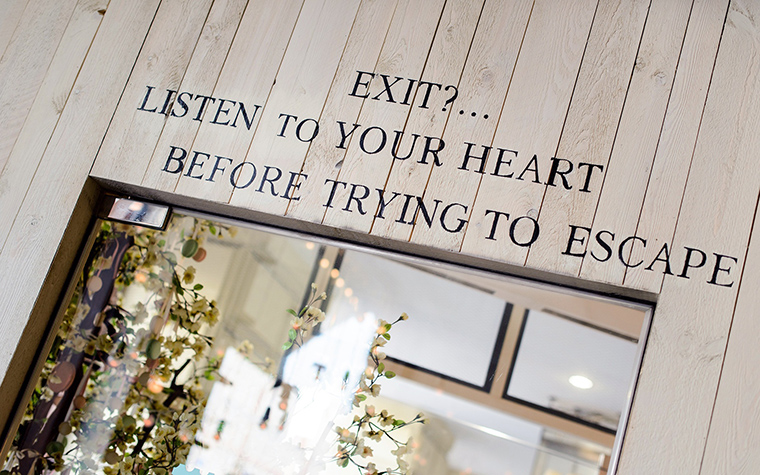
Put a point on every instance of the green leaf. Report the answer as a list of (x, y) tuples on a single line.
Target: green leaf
[(292, 334), (387, 336), (361, 397), (287, 345), (381, 368), (390, 374), (171, 257), (387, 327), (398, 422), (197, 287), (162, 243), (345, 463), (212, 228), (292, 312)]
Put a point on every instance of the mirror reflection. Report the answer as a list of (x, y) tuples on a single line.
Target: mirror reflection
[(208, 348)]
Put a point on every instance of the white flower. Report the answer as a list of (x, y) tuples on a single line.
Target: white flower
[(362, 450), (189, 275), (315, 314), (401, 450)]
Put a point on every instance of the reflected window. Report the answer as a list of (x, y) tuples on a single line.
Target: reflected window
[(573, 368)]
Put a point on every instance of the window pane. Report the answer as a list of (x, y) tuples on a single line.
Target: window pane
[(573, 368)]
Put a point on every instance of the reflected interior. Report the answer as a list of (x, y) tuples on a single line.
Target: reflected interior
[(479, 357)]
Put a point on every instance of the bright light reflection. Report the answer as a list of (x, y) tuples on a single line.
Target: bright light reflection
[(581, 382)]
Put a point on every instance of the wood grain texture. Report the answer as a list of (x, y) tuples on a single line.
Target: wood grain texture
[(627, 173), (590, 128), (679, 379), (444, 65), (302, 85), (58, 183), (200, 78), (12, 11), (483, 88), (46, 109), (672, 161), (162, 63), (28, 56), (531, 125), (324, 159), (734, 433), (404, 54), (248, 76)]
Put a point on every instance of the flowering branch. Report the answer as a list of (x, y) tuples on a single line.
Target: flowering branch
[(374, 425), (305, 320)]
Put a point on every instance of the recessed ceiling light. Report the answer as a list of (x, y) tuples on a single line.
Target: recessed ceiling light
[(581, 382)]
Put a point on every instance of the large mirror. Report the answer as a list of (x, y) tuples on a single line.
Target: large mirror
[(218, 347)]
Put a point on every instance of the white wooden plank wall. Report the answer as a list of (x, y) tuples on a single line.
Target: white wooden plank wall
[(201, 77), (448, 54), (12, 11), (163, 60), (662, 202), (28, 56), (484, 85), (627, 172), (324, 160), (46, 109), (531, 124), (304, 80), (735, 425), (684, 355), (404, 54), (590, 128), (58, 182), (664, 95), (248, 76)]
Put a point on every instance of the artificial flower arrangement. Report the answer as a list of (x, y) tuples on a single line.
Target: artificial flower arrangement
[(373, 425), (122, 389)]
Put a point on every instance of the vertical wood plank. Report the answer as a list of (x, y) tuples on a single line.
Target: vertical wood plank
[(324, 159), (200, 78), (444, 65), (303, 83), (667, 180), (482, 88), (679, 379), (46, 109), (57, 185), (404, 53), (28, 56), (162, 63), (531, 125), (627, 172), (12, 11), (590, 128), (247, 77), (734, 433)]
